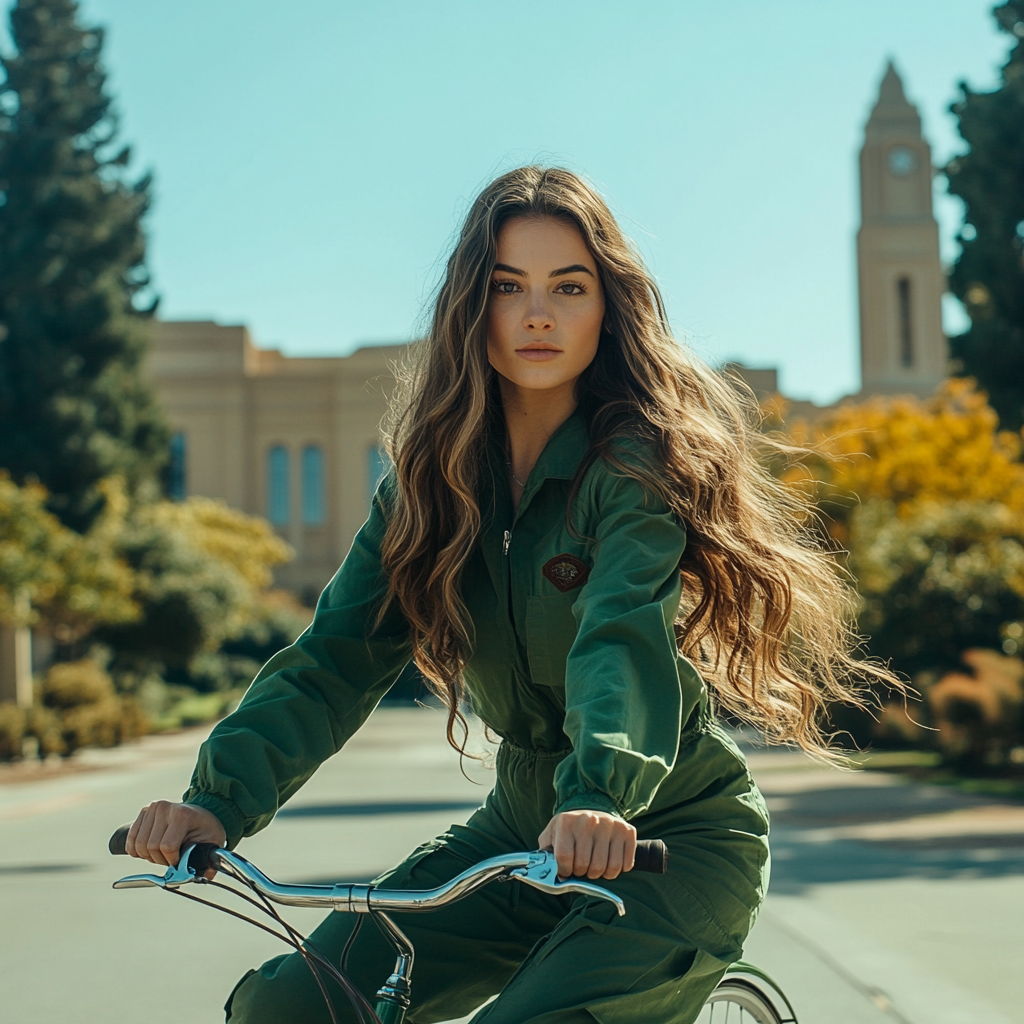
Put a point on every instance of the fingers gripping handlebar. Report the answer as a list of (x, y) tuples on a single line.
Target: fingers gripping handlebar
[(199, 855), (651, 854)]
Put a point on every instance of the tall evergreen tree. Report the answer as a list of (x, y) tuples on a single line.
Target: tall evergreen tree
[(989, 274), (74, 405)]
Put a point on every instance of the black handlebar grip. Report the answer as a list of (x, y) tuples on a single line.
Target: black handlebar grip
[(117, 841), (199, 859), (651, 855)]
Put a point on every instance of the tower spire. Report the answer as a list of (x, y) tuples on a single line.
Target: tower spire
[(892, 111), (899, 274)]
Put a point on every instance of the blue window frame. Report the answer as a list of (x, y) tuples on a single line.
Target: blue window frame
[(177, 489), (313, 485), (278, 485)]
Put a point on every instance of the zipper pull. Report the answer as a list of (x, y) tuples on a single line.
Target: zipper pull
[(508, 540)]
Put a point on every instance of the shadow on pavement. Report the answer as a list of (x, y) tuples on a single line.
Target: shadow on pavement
[(854, 805), (39, 869), (905, 830)]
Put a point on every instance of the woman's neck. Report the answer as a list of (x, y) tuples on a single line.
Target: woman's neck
[(531, 417)]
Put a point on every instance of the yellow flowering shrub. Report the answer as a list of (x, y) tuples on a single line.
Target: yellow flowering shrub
[(246, 543), (73, 580), (910, 451)]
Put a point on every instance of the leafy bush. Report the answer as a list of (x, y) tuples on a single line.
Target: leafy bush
[(979, 714), (276, 620), (198, 571), (45, 725), (937, 581), (12, 730), (79, 707), (74, 684)]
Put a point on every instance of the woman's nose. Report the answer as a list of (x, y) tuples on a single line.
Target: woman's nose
[(538, 317)]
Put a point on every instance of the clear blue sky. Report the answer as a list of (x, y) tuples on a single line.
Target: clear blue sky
[(313, 158)]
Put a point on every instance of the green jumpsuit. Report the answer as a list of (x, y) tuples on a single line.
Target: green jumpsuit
[(575, 667)]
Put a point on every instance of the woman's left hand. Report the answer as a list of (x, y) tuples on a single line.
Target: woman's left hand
[(591, 843)]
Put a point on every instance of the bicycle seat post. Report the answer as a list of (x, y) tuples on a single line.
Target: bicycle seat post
[(394, 995)]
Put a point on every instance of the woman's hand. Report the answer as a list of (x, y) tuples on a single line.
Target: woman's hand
[(591, 843), (163, 828)]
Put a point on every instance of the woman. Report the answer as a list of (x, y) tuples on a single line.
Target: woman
[(564, 474)]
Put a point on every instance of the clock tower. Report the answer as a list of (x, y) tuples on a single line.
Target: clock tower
[(900, 278)]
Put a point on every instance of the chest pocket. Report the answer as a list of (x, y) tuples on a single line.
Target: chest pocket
[(550, 632)]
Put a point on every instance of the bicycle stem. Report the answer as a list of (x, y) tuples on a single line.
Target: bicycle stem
[(394, 995)]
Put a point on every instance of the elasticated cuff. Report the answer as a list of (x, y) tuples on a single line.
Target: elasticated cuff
[(590, 801), (230, 816)]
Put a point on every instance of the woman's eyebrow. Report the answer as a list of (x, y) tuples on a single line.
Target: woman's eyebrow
[(576, 268)]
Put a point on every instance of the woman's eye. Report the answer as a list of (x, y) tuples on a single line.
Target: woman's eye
[(570, 288), (504, 287)]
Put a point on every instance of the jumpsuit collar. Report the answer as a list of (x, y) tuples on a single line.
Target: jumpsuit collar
[(559, 460)]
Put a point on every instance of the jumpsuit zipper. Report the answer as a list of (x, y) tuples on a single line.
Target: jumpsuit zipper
[(506, 541)]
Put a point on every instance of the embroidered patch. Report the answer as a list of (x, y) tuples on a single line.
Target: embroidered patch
[(566, 572)]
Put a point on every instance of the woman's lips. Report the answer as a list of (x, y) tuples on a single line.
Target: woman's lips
[(538, 355)]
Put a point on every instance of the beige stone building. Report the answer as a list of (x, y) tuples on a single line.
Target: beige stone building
[(293, 439)]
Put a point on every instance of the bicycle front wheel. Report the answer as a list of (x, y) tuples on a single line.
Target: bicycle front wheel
[(738, 1002)]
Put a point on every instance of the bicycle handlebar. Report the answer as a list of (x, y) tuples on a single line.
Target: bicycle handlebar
[(537, 868)]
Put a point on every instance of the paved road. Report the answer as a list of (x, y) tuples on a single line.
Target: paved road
[(890, 902)]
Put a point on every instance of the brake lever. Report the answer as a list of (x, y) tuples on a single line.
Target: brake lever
[(172, 878), (542, 873)]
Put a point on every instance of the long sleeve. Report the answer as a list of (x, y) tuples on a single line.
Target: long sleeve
[(309, 698), (627, 691)]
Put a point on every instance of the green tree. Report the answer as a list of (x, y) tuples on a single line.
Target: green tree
[(74, 406), (989, 274)]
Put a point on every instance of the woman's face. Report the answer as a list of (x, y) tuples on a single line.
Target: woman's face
[(546, 305)]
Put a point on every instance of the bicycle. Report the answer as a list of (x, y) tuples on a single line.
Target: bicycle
[(745, 995)]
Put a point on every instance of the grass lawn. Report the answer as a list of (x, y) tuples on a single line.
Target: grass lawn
[(927, 766)]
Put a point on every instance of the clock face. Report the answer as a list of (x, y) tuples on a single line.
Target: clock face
[(902, 161)]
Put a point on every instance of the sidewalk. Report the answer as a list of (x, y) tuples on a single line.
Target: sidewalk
[(908, 897)]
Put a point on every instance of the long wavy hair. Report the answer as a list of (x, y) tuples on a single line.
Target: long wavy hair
[(767, 615)]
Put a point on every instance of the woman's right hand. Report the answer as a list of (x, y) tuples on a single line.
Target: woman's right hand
[(163, 828)]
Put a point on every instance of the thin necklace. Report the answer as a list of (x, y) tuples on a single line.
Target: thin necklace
[(512, 472), (508, 462)]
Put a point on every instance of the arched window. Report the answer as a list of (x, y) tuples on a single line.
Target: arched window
[(906, 323), (177, 467), (312, 485), (278, 489), (377, 464)]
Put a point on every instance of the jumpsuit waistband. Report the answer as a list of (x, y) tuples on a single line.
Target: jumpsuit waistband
[(513, 755)]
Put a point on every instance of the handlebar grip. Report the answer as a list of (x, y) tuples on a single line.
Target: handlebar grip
[(651, 855), (116, 845), (199, 859)]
